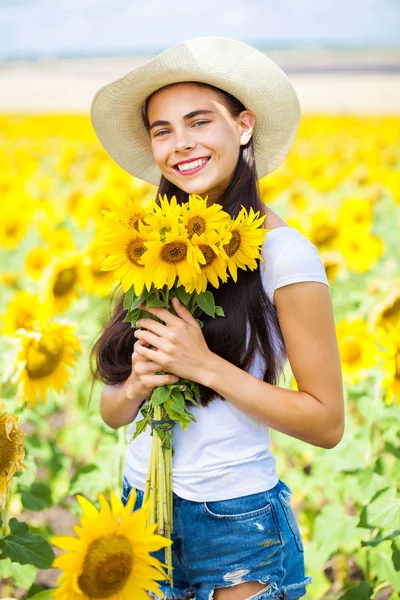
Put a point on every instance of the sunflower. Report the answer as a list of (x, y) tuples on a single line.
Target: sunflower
[(36, 261), (130, 212), (95, 280), (244, 246), (215, 265), (60, 240), (386, 312), (357, 347), (43, 358), (333, 263), (356, 211), (14, 225), (61, 281), (110, 558), (390, 355), (124, 248), (11, 451), (22, 311), (324, 229), (200, 219), (164, 216), (170, 256), (360, 250)]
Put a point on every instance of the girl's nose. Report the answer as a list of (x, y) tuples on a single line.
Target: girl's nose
[(184, 142)]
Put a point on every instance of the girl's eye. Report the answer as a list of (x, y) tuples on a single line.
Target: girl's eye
[(158, 132), (166, 131)]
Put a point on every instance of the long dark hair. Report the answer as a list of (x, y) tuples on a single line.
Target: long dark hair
[(243, 302)]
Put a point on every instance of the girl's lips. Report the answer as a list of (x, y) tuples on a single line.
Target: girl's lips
[(191, 171)]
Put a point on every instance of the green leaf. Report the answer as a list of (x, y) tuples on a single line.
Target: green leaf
[(22, 575), (381, 538), (140, 427), (26, 548), (381, 564), (395, 450), (154, 301), (139, 299), (129, 297), (160, 395), (181, 419), (396, 556), (206, 302), (360, 592), (37, 497), (183, 295), (219, 311), (81, 473), (383, 511), (178, 402), (345, 536), (45, 595), (131, 316)]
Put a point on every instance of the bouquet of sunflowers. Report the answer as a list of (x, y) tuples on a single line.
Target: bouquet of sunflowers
[(163, 251)]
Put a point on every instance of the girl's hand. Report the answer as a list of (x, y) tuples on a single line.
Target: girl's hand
[(143, 378), (180, 347)]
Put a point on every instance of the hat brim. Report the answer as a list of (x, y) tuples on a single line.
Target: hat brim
[(243, 71)]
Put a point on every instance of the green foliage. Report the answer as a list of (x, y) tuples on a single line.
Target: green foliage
[(26, 548)]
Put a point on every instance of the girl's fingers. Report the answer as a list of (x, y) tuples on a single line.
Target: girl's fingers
[(155, 380), (147, 366)]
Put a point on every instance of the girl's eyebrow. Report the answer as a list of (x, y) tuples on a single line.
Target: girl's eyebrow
[(193, 113)]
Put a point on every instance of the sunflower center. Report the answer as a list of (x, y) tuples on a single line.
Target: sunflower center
[(397, 363), (43, 356), (174, 252), (24, 319), (135, 250), (7, 446), (208, 254), (234, 244), (351, 351), (324, 234), (107, 566), (196, 224), (134, 220), (392, 313), (64, 281), (11, 230)]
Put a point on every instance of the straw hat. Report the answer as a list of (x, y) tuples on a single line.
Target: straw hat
[(240, 69)]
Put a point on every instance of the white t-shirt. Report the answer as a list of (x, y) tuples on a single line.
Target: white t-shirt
[(225, 453)]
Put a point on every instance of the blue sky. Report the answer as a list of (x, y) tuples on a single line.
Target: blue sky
[(46, 28)]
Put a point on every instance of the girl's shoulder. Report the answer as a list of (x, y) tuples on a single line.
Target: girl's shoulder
[(289, 257)]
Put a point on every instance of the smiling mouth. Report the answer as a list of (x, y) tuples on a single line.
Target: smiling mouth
[(190, 168)]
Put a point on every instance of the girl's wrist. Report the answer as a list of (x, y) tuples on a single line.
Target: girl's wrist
[(210, 371)]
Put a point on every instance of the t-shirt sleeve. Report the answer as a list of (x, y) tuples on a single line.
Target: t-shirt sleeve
[(300, 262)]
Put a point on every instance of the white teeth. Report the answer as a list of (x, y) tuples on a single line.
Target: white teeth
[(192, 165)]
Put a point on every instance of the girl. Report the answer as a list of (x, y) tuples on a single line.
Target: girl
[(211, 116)]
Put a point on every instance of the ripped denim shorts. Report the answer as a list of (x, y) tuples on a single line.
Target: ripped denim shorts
[(226, 542)]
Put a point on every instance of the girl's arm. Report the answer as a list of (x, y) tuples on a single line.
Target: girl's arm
[(314, 413), (118, 407)]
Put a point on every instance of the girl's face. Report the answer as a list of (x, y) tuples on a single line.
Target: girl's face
[(189, 124)]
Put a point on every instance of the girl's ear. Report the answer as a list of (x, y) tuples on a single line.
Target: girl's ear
[(247, 123)]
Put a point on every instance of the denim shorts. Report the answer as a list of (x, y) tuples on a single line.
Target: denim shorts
[(226, 542)]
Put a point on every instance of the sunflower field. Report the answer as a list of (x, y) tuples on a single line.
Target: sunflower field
[(61, 466)]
